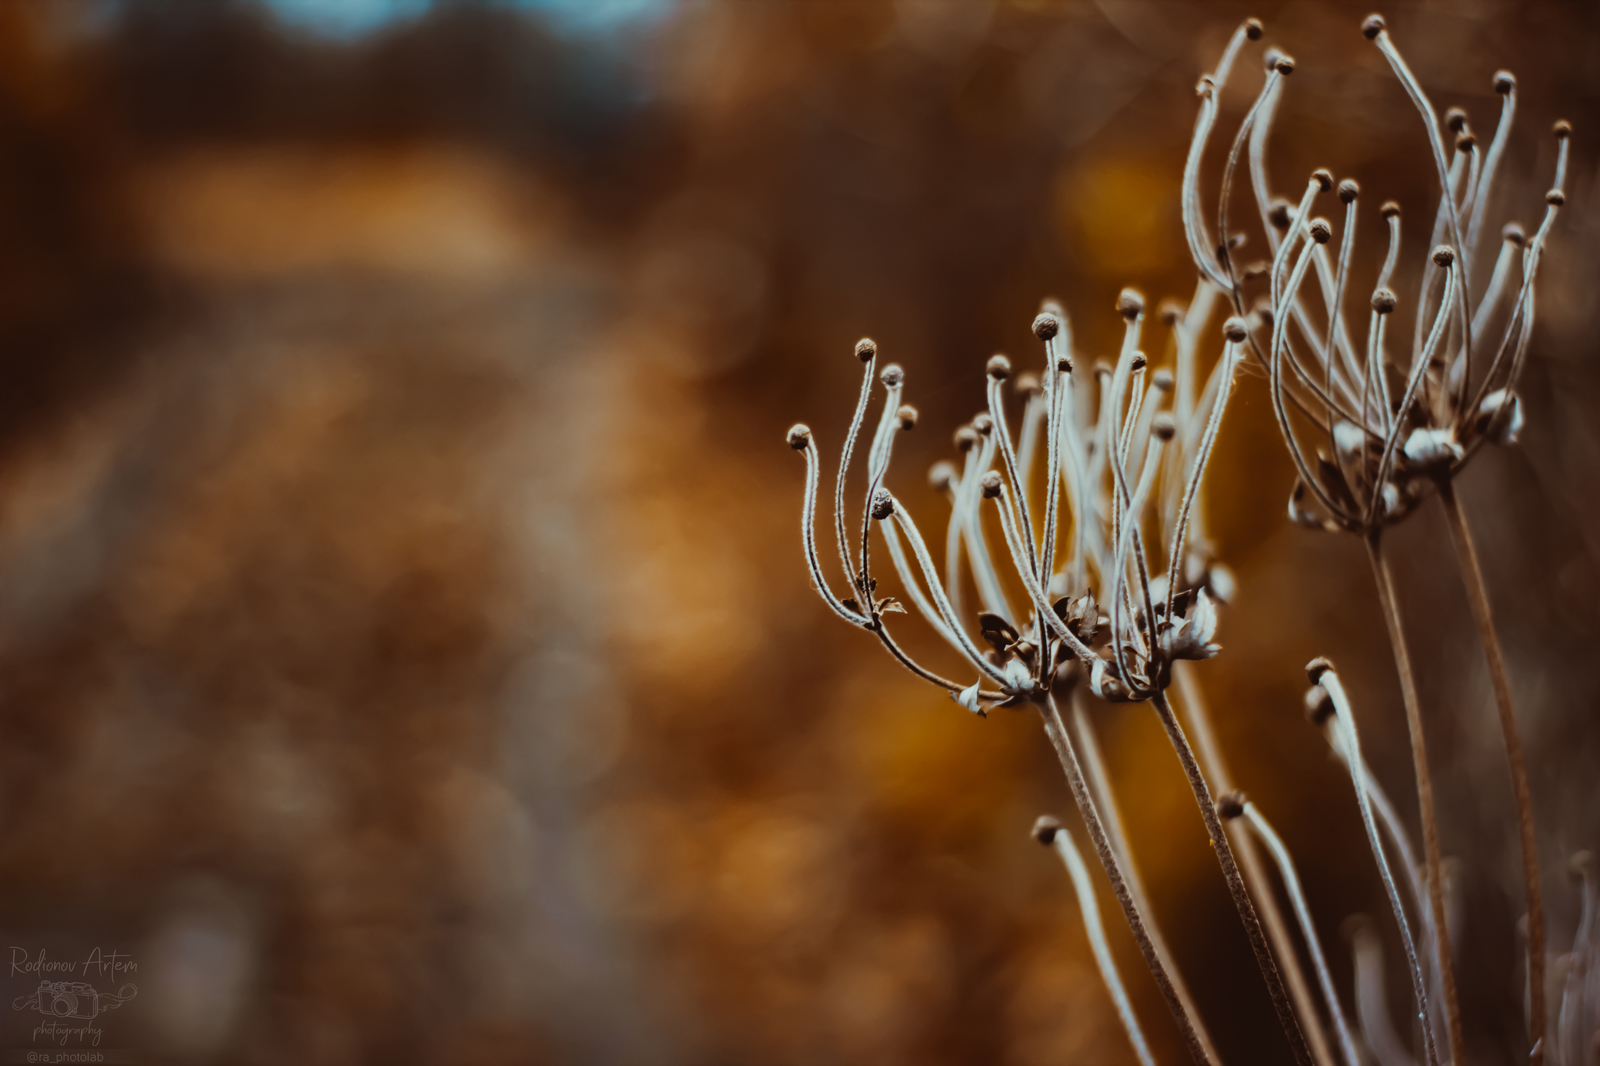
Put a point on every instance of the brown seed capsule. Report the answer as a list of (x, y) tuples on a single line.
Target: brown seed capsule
[(1443, 255), (1045, 326), (1235, 330), (1383, 301), (1284, 65), (866, 349), (1064, 365), (1102, 369), (1137, 362), (941, 476), (882, 504), (966, 439), (1130, 304), (1455, 119), (1027, 383), (1271, 56), (1230, 805), (1466, 142), (1389, 210), (1319, 705), (907, 416), (1317, 667), (1324, 178), (990, 484), (1170, 312), (1046, 828), (1163, 380), (1555, 197), (892, 375), (1504, 81), (1164, 426), (1562, 129), (799, 436), (1348, 191), (1252, 29), (983, 423), (1372, 26), (1280, 213), (1513, 233), (1321, 230), (999, 367)]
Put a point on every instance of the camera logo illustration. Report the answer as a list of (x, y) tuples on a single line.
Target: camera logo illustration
[(77, 1000)]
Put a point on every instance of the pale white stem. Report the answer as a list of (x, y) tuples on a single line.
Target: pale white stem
[(1092, 925), (851, 574), (1491, 166), (1232, 353), (1372, 1002), (931, 575), (1419, 370), (808, 512), (1308, 929)]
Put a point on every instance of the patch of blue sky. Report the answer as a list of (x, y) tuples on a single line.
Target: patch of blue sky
[(349, 19)]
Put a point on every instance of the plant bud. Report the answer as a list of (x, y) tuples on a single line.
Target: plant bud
[(1235, 330), (983, 423), (882, 504), (1504, 81), (1045, 326), (866, 349), (1389, 210), (999, 367), (907, 416), (1324, 178), (1317, 667), (1383, 301), (799, 436), (1455, 119), (1230, 805), (1555, 198), (892, 375), (1164, 426), (941, 476), (1348, 191), (1046, 828), (1444, 255), (1562, 129), (990, 484), (1513, 233), (1137, 362), (1372, 26), (1130, 304), (966, 439), (1252, 29), (1162, 379), (1321, 230), (1280, 213)]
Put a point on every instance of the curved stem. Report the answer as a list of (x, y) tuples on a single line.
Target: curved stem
[(1419, 761), (1100, 784), (1245, 848), (1478, 597), (1056, 730), (1230, 871)]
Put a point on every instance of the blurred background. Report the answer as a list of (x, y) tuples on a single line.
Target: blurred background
[(406, 653)]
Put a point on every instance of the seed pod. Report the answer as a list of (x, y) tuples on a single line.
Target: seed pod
[(1455, 119), (1321, 230), (1235, 330), (866, 349), (966, 438), (941, 476), (882, 504), (1383, 301), (1137, 362), (983, 423), (1513, 233), (1046, 828), (990, 484), (1230, 805), (1389, 210), (1562, 129), (1280, 213), (892, 375), (1444, 255), (1027, 383), (999, 367), (1252, 29), (799, 436), (1372, 26), (907, 416), (1324, 178), (1317, 667), (1555, 198), (1164, 426), (1130, 304), (1504, 81), (1045, 326), (1163, 380), (1348, 191)]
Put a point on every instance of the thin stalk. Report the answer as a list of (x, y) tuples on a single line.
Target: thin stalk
[(1056, 730), (1090, 908), (1419, 761), (1478, 597), (1230, 872), (1255, 875), (1100, 784)]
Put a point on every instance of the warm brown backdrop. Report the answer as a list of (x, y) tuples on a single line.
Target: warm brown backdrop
[(405, 649)]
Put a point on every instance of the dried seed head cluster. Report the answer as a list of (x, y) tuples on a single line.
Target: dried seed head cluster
[(1115, 587), (1370, 430)]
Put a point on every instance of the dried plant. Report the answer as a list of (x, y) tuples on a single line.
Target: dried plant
[(1119, 588), (1368, 449)]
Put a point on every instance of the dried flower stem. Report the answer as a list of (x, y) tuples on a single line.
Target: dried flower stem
[(1100, 784), (1057, 732), (1478, 597), (1230, 872), (1215, 766), (1419, 760)]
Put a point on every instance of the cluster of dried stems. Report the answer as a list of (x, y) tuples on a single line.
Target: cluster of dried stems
[(1120, 589)]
